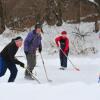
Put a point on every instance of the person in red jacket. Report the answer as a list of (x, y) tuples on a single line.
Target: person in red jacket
[(62, 42)]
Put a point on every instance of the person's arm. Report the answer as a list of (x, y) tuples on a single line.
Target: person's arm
[(27, 42), (67, 45), (57, 41), (40, 48), (15, 61)]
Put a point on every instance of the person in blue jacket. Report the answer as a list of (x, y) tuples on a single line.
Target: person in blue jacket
[(32, 43)]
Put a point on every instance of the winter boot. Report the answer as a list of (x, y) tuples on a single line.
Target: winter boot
[(62, 68), (28, 75)]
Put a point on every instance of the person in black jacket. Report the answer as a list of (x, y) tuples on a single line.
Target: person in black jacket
[(7, 54)]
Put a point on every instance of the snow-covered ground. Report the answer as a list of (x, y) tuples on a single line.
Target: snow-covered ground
[(68, 84)]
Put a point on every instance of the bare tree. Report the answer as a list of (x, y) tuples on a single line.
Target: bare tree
[(52, 11), (97, 2), (80, 40)]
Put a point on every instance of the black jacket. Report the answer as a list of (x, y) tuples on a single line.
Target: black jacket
[(9, 52)]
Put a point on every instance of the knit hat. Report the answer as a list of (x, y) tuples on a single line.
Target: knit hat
[(63, 32), (18, 38)]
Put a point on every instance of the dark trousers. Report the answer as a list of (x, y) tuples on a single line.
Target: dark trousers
[(13, 71), (63, 59)]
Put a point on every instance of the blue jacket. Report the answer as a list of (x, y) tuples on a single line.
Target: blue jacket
[(32, 42)]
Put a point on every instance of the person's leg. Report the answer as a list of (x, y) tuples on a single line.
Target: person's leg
[(31, 63), (3, 67), (65, 59), (61, 58), (13, 72), (2, 73)]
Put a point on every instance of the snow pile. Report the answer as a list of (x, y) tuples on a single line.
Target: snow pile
[(91, 0)]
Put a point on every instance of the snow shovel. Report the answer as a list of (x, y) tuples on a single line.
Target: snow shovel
[(70, 60)]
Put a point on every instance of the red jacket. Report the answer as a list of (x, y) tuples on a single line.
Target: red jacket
[(63, 42)]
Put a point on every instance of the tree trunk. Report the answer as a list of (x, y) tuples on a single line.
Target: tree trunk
[(2, 24), (96, 26)]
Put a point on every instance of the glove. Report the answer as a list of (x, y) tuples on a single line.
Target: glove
[(40, 49), (22, 64), (26, 52)]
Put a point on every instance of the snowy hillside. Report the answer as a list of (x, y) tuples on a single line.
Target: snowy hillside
[(68, 84)]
